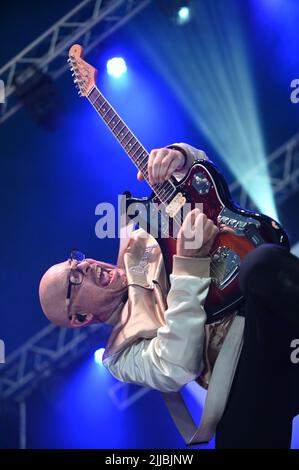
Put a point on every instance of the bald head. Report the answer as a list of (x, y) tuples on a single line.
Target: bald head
[(52, 294), (95, 299)]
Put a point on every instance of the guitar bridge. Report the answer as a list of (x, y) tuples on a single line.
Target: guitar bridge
[(175, 205)]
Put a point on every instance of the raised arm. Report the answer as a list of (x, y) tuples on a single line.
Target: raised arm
[(175, 159), (174, 357)]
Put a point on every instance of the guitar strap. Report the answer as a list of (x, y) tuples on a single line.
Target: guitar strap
[(218, 391)]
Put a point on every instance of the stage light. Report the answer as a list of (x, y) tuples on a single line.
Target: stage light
[(183, 15), (98, 356), (177, 11), (116, 67)]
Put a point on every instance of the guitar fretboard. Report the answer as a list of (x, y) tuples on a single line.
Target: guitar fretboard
[(128, 141)]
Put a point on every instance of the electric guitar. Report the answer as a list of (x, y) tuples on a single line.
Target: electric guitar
[(203, 184)]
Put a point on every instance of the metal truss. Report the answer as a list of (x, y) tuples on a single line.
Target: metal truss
[(283, 168), (44, 355), (50, 350), (90, 22), (124, 395)]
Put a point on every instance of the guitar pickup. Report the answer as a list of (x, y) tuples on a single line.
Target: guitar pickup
[(175, 205)]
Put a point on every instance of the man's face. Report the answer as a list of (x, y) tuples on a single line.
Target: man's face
[(101, 289)]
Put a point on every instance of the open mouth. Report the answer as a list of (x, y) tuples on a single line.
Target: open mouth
[(104, 277)]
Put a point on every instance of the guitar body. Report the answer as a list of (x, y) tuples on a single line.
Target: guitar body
[(205, 184)]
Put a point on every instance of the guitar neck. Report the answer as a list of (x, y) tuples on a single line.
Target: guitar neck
[(128, 141), (120, 130)]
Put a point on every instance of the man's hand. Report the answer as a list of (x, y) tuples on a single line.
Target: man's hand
[(162, 163), (195, 221)]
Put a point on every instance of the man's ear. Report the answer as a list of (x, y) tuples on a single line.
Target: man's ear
[(81, 319)]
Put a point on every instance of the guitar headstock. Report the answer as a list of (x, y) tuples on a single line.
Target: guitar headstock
[(84, 74)]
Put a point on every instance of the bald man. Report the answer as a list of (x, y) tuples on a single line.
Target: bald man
[(160, 338), (99, 304)]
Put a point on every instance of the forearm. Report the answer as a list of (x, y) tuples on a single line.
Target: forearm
[(174, 357)]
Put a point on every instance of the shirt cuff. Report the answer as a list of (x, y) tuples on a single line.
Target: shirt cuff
[(183, 152), (187, 266)]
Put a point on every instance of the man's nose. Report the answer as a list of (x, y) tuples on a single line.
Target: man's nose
[(84, 266)]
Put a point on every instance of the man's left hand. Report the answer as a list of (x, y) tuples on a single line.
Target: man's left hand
[(162, 163)]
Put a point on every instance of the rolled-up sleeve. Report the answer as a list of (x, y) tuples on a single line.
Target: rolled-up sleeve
[(174, 357), (192, 155)]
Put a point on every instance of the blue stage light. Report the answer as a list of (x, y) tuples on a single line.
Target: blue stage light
[(98, 356), (116, 67), (183, 15)]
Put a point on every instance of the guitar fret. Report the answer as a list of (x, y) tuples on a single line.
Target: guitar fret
[(120, 132), (106, 113), (141, 148), (143, 168), (128, 136), (101, 104), (136, 149), (93, 91), (142, 159), (96, 99), (121, 128), (104, 109), (124, 136), (128, 141), (113, 116), (112, 128), (136, 142)]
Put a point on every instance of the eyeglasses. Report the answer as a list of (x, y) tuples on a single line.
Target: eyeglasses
[(76, 276)]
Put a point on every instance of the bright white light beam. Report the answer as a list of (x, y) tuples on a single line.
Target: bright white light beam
[(207, 67)]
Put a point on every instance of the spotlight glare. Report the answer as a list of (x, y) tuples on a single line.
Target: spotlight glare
[(116, 67), (98, 356), (183, 15)]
